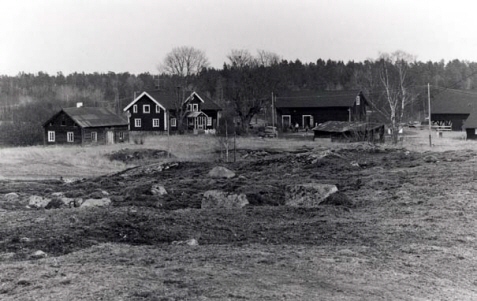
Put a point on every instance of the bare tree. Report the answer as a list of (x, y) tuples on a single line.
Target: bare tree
[(182, 64), (241, 58), (267, 58), (184, 61), (390, 87)]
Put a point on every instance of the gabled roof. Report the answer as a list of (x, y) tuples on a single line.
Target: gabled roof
[(450, 101), (318, 99), (92, 117), (168, 100)]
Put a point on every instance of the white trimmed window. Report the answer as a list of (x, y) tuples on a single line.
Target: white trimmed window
[(146, 109), (155, 123), (209, 121), (173, 122), (189, 107), (70, 137), (134, 108), (94, 136), (158, 109), (195, 107), (51, 136), (137, 122), (121, 135)]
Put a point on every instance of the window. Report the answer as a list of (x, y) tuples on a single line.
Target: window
[(189, 107), (195, 107), (358, 100), (158, 109), (94, 136), (70, 137), (209, 121), (137, 122), (51, 136), (155, 123), (173, 122), (63, 122), (121, 135), (134, 108), (146, 109)]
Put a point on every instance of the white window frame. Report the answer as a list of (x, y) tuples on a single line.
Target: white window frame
[(155, 122), (209, 121), (303, 120), (134, 108), (70, 137), (173, 122), (144, 109), (158, 109), (121, 135), (51, 136), (195, 107), (137, 122), (94, 136)]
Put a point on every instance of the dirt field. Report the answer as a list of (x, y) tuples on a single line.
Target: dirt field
[(406, 234)]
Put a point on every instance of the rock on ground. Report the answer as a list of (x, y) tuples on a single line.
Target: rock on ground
[(308, 195), (37, 201), (221, 172), (222, 199), (157, 189), (89, 203), (39, 254), (11, 197)]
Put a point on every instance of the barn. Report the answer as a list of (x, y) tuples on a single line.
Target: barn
[(310, 108), (451, 107), (85, 125)]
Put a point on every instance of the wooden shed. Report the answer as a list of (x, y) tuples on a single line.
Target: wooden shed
[(350, 131), (451, 107), (85, 125)]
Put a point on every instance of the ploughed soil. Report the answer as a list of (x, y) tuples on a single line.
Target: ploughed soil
[(407, 233)]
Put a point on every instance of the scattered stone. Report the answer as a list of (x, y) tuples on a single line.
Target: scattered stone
[(192, 242), (308, 195), (25, 239), (78, 202), (11, 197), (430, 159), (105, 193), (220, 172), (37, 201), (39, 254), (221, 199), (157, 189), (57, 194), (89, 203)]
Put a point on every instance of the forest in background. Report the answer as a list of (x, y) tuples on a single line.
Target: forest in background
[(28, 100)]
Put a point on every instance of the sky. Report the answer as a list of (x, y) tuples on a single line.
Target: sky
[(135, 35)]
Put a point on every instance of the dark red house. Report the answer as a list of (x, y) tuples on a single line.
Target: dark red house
[(84, 125), (159, 110), (310, 108)]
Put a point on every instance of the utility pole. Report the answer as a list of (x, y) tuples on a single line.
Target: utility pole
[(429, 104), (273, 114)]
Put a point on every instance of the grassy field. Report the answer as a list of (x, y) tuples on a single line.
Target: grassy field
[(408, 236)]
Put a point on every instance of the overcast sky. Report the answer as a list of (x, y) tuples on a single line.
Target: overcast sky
[(135, 35)]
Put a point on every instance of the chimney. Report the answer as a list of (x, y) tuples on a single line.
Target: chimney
[(79, 104)]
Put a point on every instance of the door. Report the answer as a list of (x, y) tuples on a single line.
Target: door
[(201, 120), (286, 122), (307, 121), (109, 137)]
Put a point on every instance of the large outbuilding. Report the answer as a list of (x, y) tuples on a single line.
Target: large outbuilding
[(451, 107), (85, 125), (310, 108)]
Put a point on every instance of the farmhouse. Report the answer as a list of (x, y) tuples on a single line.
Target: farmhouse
[(452, 107), (84, 125), (309, 108), (158, 110)]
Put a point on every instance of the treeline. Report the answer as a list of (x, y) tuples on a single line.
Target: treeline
[(28, 100)]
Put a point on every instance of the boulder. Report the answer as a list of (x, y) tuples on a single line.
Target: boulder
[(430, 159), (220, 172), (157, 189), (222, 199), (37, 201), (89, 203), (308, 195), (57, 194), (11, 197), (39, 254)]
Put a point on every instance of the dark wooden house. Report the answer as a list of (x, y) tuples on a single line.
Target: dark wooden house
[(470, 125), (160, 110), (452, 107), (85, 125), (310, 108)]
